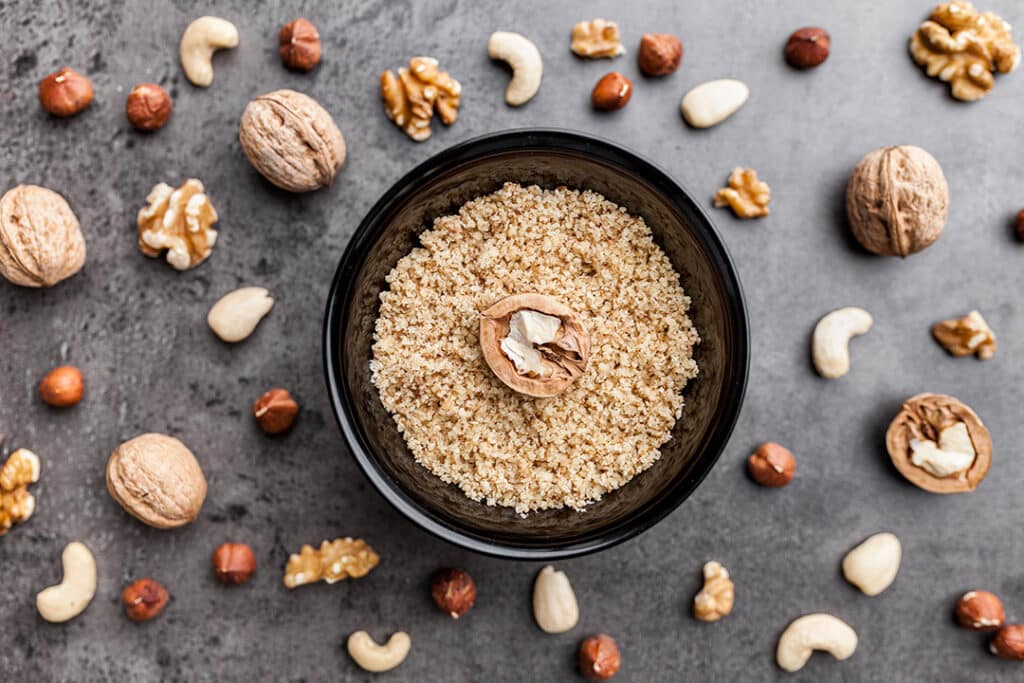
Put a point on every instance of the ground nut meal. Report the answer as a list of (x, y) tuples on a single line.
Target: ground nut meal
[(466, 426)]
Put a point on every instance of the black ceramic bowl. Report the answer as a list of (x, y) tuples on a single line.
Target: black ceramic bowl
[(549, 159)]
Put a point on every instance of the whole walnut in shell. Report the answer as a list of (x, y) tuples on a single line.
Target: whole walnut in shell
[(291, 140), (40, 240), (157, 480), (897, 200)]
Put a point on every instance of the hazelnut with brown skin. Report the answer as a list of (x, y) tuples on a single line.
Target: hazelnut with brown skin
[(148, 107), (771, 465), (65, 93), (62, 387), (1019, 225), (980, 611), (144, 599), (233, 563), (1008, 642), (612, 92), (299, 45), (275, 411), (454, 591), (659, 54), (599, 657), (808, 47)]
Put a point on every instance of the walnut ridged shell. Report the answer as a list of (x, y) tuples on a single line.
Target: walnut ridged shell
[(897, 200), (41, 242), (157, 480), (292, 141)]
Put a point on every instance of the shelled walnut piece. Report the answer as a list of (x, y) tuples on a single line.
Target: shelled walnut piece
[(16, 503), (747, 196), (178, 220), (965, 336), (715, 599), (411, 97), (939, 444), (335, 560), (964, 47), (596, 38)]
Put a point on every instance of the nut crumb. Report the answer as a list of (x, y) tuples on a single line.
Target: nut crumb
[(965, 336), (715, 599), (597, 38), (747, 196), (16, 503)]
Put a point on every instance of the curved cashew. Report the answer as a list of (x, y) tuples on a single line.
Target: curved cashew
[(830, 344), (524, 58), (376, 658), (198, 43), (814, 632), (70, 597)]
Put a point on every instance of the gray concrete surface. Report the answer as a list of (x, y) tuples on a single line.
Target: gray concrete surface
[(137, 329)]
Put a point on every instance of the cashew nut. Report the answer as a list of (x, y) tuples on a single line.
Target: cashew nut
[(377, 658), (872, 566), (198, 43), (814, 632), (524, 58), (830, 346), (70, 597)]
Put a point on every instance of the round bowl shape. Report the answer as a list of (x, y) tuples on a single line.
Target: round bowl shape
[(548, 159)]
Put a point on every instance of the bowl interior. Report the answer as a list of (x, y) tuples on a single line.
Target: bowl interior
[(548, 159)]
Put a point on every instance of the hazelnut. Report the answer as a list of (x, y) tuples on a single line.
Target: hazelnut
[(1019, 225), (62, 387), (233, 563), (612, 92), (599, 657), (144, 599), (771, 465), (1008, 642), (659, 54), (980, 611), (453, 591), (148, 106), (275, 411), (807, 47), (65, 92), (299, 45)]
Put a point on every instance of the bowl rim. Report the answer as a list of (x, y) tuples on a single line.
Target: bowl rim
[(336, 317)]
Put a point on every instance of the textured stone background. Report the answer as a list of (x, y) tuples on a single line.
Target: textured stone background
[(138, 331)]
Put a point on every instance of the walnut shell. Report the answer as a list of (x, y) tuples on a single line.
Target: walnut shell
[(40, 240), (897, 200), (291, 140), (922, 417), (157, 480)]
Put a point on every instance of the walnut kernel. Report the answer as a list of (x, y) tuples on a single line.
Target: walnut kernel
[(335, 560), (178, 220), (16, 503), (411, 97), (40, 240), (715, 599), (965, 336), (747, 196), (596, 38)]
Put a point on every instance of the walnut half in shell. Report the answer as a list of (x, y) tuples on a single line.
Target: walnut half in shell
[(924, 427), (534, 344)]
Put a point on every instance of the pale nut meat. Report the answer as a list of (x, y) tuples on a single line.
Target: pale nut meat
[(822, 632), (830, 343), (69, 598), (375, 658), (21, 469), (236, 314), (291, 140), (538, 366), (897, 200), (969, 335), (335, 560), (923, 420), (980, 611), (872, 566), (554, 603), (412, 97), (745, 194), (715, 599), (523, 57), (178, 221), (596, 38), (964, 47), (157, 480), (199, 41), (41, 242), (708, 104)]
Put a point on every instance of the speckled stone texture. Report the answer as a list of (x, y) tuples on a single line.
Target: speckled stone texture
[(137, 330)]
